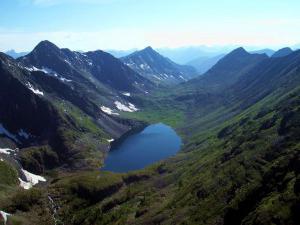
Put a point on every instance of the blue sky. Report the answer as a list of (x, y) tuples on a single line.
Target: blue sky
[(125, 24)]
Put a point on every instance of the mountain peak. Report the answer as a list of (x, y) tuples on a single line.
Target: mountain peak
[(11, 51), (149, 49), (239, 51), (14, 54), (282, 52), (46, 45)]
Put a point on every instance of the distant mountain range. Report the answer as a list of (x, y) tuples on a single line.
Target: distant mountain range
[(267, 51), (203, 64), (97, 65), (240, 124), (15, 54), (158, 68), (121, 53), (184, 55)]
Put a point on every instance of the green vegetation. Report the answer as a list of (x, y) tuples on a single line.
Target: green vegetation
[(239, 165), (8, 178), (170, 117), (28, 207), (240, 172)]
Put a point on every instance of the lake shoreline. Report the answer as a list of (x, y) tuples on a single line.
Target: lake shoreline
[(142, 147)]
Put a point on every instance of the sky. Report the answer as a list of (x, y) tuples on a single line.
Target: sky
[(126, 24)]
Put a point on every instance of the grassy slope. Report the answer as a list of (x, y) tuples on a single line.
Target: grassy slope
[(239, 169), (243, 171)]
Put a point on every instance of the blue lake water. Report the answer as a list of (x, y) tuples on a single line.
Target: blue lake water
[(154, 143)]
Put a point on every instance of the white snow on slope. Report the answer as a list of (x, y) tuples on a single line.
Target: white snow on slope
[(31, 178), (48, 71), (24, 184), (122, 107), (108, 110), (35, 91), (6, 151), (183, 78), (4, 215), (65, 79), (157, 77), (33, 68), (67, 62), (132, 107), (44, 70), (144, 66), (126, 94)]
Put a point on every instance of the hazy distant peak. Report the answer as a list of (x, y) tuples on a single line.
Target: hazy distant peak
[(14, 54), (282, 52), (239, 51)]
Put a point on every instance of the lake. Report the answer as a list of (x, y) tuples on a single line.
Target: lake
[(154, 143)]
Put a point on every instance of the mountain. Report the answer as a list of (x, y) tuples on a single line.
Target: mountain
[(282, 52), (239, 164), (15, 54), (157, 68), (203, 64), (241, 169), (86, 67), (183, 55), (43, 112), (228, 70), (267, 51), (120, 53)]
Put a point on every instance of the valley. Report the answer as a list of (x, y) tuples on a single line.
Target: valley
[(238, 162)]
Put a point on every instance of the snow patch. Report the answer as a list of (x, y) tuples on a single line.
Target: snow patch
[(108, 110), (65, 79), (4, 216), (126, 94), (157, 77), (33, 68), (48, 71), (6, 151), (144, 66), (67, 62), (183, 78), (35, 91), (31, 178), (122, 107), (132, 107), (24, 184)]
